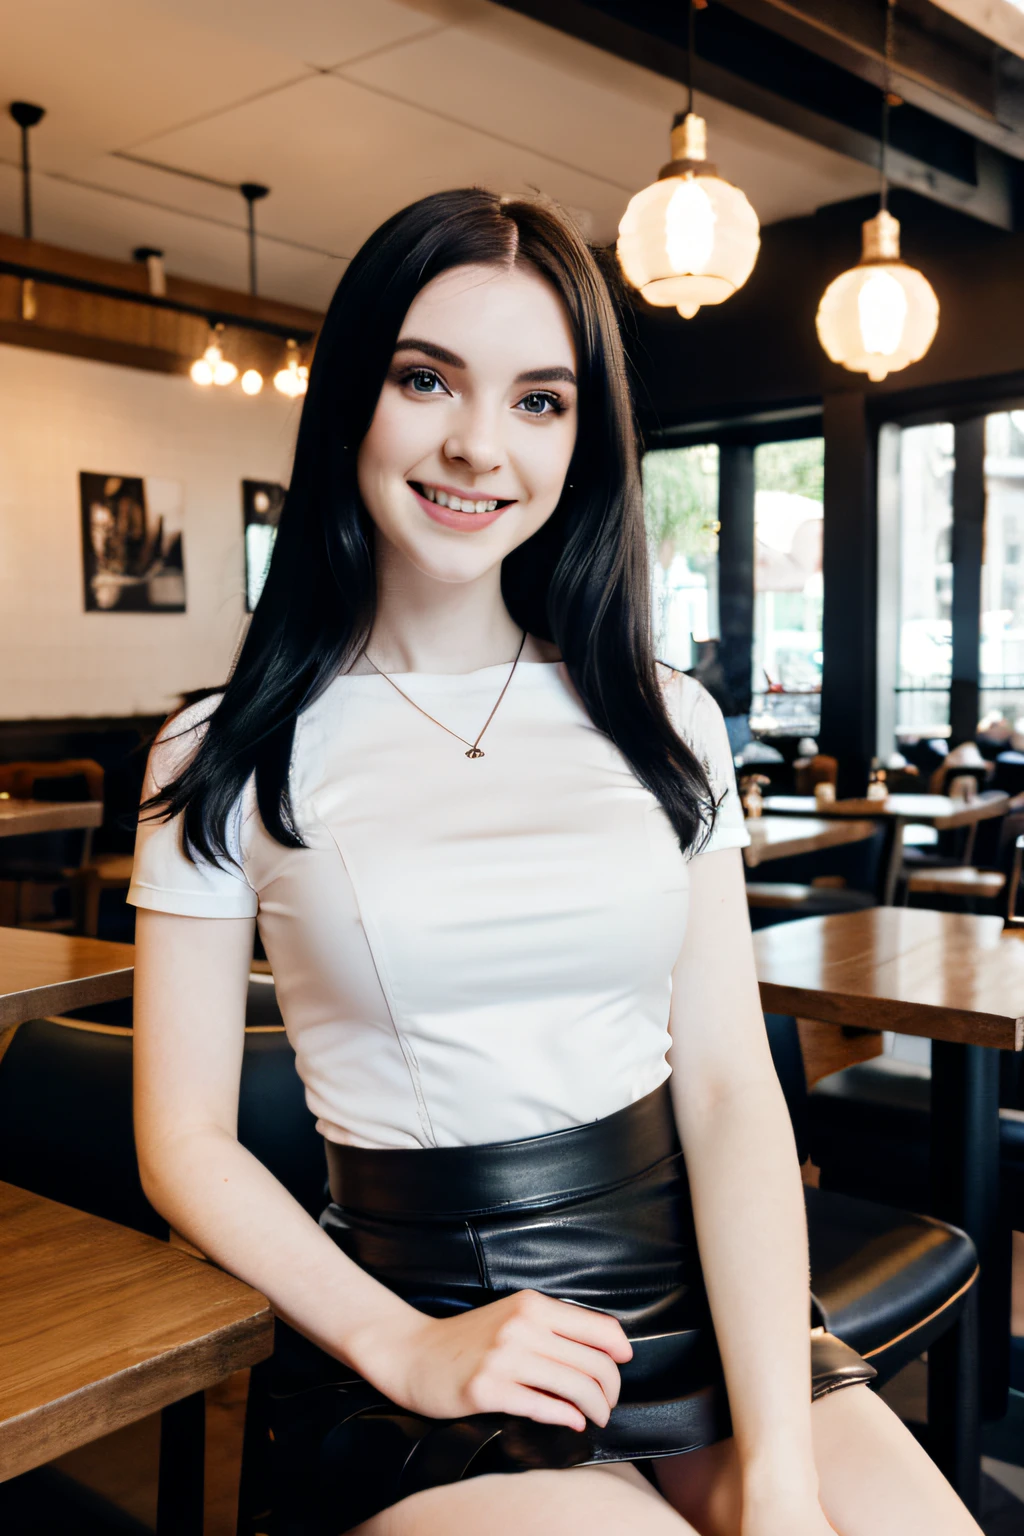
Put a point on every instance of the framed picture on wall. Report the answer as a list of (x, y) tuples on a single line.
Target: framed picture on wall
[(132, 555), (262, 501)]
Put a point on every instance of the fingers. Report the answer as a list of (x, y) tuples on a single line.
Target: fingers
[(562, 1381), (594, 1363), (528, 1404), (588, 1326)]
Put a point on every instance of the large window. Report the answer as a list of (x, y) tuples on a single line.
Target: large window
[(925, 644), (1002, 575), (681, 512), (788, 522)]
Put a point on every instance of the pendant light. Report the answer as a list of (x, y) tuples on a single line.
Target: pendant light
[(881, 314), (213, 367), (690, 238), (293, 378)]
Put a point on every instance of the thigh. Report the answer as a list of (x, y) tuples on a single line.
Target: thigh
[(584, 1501), (874, 1477)]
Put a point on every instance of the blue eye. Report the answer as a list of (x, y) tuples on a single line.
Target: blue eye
[(535, 402), (422, 381)]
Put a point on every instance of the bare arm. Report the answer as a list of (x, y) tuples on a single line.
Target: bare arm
[(747, 1199), (529, 1354)]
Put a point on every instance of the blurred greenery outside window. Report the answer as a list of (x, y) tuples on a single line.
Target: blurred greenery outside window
[(681, 513), (789, 480)]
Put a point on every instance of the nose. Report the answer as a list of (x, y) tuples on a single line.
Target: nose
[(475, 437)]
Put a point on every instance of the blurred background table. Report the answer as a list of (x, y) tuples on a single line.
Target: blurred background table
[(780, 837), (956, 979), (20, 818), (43, 973), (897, 812)]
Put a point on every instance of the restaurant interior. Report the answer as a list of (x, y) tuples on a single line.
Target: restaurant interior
[(813, 218)]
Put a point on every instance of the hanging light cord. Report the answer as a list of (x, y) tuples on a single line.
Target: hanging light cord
[(887, 102), (691, 12)]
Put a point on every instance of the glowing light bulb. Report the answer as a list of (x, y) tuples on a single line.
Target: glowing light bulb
[(882, 312), (252, 381), (689, 227), (201, 372), (293, 378), (223, 371)]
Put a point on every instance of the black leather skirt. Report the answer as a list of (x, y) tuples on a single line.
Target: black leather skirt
[(600, 1215)]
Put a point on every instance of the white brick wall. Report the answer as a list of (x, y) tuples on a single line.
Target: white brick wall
[(59, 415)]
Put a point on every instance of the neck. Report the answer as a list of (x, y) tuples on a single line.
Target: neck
[(426, 625)]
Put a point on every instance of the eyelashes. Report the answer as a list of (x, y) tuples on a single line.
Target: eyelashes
[(555, 403)]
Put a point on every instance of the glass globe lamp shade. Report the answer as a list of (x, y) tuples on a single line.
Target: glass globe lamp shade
[(690, 238), (881, 314), (252, 381)]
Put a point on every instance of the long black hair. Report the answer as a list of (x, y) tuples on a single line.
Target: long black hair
[(580, 581)]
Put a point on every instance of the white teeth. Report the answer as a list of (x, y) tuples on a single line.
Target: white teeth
[(456, 503)]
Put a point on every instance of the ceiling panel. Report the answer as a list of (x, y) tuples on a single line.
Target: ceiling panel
[(363, 155), (111, 72), (610, 122), (425, 94), (318, 32)]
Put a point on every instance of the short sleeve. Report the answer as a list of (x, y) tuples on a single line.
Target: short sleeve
[(701, 724), (164, 879)]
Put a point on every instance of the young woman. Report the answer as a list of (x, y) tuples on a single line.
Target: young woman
[(492, 848)]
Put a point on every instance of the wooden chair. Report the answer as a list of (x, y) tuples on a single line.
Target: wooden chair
[(54, 859), (971, 882)]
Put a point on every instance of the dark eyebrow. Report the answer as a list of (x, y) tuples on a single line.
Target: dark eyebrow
[(442, 355), (439, 354), (546, 376)]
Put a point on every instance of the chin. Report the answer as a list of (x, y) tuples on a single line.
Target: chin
[(453, 566)]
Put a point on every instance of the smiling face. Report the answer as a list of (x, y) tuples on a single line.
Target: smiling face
[(469, 445)]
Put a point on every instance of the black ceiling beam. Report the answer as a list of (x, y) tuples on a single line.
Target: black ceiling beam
[(942, 66), (759, 70)]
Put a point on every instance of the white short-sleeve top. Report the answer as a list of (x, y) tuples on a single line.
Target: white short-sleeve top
[(466, 950)]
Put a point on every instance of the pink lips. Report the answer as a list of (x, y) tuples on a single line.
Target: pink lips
[(450, 519)]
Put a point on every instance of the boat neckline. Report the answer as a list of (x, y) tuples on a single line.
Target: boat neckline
[(451, 677)]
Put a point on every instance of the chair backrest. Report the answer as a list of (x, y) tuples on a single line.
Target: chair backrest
[(784, 1042), (73, 778), (66, 1118)]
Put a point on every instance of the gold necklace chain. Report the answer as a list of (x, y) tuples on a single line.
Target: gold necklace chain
[(474, 746)]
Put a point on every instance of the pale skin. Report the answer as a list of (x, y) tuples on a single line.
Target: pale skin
[(469, 415)]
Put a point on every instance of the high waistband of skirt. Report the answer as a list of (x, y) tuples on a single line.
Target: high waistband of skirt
[(448, 1182)]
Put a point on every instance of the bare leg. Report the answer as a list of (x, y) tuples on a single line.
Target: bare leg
[(875, 1478), (584, 1501)]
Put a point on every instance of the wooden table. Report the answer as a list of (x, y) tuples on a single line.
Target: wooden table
[(958, 980), (43, 973), (20, 817), (101, 1326), (897, 811), (778, 837)]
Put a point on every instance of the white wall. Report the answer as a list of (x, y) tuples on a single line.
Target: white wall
[(59, 415)]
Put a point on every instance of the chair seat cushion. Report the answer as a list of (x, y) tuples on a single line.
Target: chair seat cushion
[(957, 880), (885, 1279)]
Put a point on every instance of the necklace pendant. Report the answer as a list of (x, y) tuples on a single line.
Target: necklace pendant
[(475, 752)]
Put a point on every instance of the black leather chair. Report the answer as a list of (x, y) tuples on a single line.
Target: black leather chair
[(892, 1284)]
